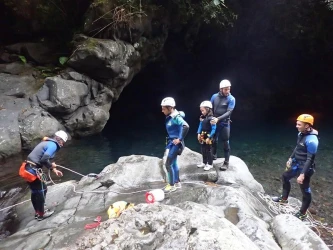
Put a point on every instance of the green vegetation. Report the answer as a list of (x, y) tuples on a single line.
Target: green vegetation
[(23, 59), (63, 60)]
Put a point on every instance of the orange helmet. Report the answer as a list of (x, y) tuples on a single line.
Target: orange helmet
[(306, 118)]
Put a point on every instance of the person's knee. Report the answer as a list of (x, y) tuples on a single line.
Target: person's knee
[(226, 146), (306, 191), (168, 164), (168, 167), (285, 178)]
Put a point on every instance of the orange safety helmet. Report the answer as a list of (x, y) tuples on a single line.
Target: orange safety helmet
[(306, 118)]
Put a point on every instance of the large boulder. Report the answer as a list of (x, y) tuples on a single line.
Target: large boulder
[(34, 124), (63, 96), (293, 234), (7, 214), (14, 92), (113, 63), (37, 52), (80, 103), (10, 141), (16, 68)]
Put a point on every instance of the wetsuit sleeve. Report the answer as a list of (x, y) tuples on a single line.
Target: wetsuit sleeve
[(51, 148), (232, 103), (184, 131), (231, 106), (212, 133), (184, 127), (225, 115), (199, 128), (312, 146)]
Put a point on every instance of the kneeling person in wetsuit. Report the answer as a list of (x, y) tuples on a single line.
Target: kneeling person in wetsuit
[(31, 170), (177, 129), (301, 164)]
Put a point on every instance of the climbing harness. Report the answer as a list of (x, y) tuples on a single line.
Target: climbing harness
[(203, 137), (41, 175)]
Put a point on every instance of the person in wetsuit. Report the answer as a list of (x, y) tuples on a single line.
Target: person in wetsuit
[(223, 105), (301, 164), (40, 157), (206, 132), (177, 129)]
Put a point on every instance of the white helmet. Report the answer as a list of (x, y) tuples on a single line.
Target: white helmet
[(62, 135), (206, 104), (224, 84), (168, 101)]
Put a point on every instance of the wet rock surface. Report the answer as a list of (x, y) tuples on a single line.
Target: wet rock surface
[(197, 216)]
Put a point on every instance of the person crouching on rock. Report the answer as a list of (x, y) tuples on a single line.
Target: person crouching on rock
[(301, 164), (206, 132), (177, 129), (31, 171)]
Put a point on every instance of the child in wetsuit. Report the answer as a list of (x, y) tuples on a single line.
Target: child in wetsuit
[(206, 133)]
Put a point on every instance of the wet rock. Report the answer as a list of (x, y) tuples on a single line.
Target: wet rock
[(63, 96), (190, 172), (292, 233), (131, 168), (16, 68), (34, 124), (13, 100), (81, 104), (7, 213), (10, 141), (196, 216), (238, 173), (37, 52)]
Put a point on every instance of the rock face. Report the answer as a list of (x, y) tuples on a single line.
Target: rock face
[(37, 52), (78, 100), (34, 124), (14, 92), (200, 215)]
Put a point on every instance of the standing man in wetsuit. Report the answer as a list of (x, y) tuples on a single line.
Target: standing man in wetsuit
[(301, 164), (40, 157), (223, 105)]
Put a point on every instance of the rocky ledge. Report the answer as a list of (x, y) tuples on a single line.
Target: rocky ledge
[(212, 210)]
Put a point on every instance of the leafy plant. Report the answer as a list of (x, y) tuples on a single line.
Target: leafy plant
[(63, 60), (23, 59)]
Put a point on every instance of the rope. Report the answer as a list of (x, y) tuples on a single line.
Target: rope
[(279, 208), (70, 171)]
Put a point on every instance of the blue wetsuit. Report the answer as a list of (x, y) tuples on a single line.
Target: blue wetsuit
[(39, 157), (302, 163), (176, 128), (222, 109)]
